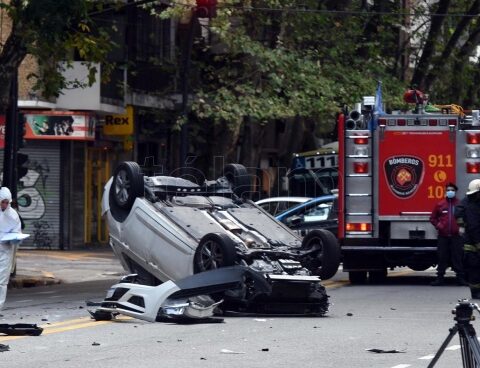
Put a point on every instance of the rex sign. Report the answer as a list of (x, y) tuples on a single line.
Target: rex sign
[(414, 168), (119, 124)]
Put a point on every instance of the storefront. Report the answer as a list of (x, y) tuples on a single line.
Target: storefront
[(56, 143)]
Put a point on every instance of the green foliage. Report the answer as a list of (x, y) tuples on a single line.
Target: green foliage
[(55, 31), (281, 64)]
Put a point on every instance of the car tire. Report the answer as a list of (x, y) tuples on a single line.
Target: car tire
[(126, 186), (357, 277), (239, 179), (328, 254), (215, 250), (419, 266), (378, 277)]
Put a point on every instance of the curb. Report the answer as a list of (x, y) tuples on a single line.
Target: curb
[(19, 282)]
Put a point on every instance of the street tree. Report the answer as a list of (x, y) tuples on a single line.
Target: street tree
[(52, 31)]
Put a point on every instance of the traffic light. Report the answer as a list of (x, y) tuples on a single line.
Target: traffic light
[(21, 130), (22, 169), (206, 8)]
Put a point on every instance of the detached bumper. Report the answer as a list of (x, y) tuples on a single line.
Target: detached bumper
[(242, 289)]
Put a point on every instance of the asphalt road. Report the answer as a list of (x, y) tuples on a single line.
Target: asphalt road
[(405, 314)]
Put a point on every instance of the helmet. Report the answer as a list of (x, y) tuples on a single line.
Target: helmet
[(473, 186)]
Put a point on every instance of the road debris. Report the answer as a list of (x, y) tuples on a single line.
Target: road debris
[(95, 344), (21, 329), (382, 351), (183, 301), (4, 348)]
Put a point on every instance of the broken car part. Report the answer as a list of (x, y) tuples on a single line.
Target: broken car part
[(21, 329)]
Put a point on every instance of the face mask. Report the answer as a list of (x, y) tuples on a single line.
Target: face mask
[(450, 194)]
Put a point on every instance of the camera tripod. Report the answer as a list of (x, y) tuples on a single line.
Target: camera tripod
[(470, 347)]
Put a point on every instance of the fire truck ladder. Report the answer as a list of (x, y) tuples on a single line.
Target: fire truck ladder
[(359, 181)]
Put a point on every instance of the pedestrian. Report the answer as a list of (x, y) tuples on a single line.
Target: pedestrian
[(468, 217), (9, 223), (449, 243)]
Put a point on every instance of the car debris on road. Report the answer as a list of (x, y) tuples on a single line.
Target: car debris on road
[(198, 297)]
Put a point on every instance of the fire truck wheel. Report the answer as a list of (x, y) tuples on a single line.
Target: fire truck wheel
[(328, 256), (357, 277), (378, 277), (420, 266)]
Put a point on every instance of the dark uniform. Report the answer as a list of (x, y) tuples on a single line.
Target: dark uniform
[(468, 215), (450, 242)]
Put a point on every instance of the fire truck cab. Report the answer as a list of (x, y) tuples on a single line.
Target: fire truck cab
[(391, 175)]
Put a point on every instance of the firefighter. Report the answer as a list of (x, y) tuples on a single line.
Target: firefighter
[(468, 217), (449, 246)]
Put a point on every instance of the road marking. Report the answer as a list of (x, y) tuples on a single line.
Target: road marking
[(402, 366), (427, 357), (453, 347), (68, 325), (335, 284)]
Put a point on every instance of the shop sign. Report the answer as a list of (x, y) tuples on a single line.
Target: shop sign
[(119, 124), (60, 125), (2, 131)]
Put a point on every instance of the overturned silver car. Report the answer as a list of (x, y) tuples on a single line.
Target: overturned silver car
[(167, 228)]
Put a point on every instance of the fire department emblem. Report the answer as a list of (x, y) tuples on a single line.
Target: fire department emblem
[(404, 175)]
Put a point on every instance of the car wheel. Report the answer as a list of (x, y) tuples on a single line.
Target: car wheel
[(238, 178), (328, 255), (215, 250), (126, 186), (357, 277)]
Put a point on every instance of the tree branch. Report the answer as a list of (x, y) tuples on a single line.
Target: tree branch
[(429, 48), (439, 64)]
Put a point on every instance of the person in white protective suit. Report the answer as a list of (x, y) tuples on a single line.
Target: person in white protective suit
[(9, 223)]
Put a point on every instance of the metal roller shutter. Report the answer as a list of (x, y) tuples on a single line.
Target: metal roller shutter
[(39, 194)]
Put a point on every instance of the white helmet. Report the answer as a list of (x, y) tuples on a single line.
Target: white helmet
[(473, 186), (6, 194)]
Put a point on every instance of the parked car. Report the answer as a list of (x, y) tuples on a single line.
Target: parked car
[(318, 213), (167, 228), (277, 205)]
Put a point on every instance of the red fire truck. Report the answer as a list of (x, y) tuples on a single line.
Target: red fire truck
[(391, 176)]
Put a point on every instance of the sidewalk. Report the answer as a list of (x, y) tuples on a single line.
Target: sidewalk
[(48, 267)]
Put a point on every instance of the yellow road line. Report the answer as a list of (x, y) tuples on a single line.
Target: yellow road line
[(336, 284), (68, 325), (67, 322)]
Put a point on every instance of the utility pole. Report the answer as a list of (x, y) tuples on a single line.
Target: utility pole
[(11, 143)]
